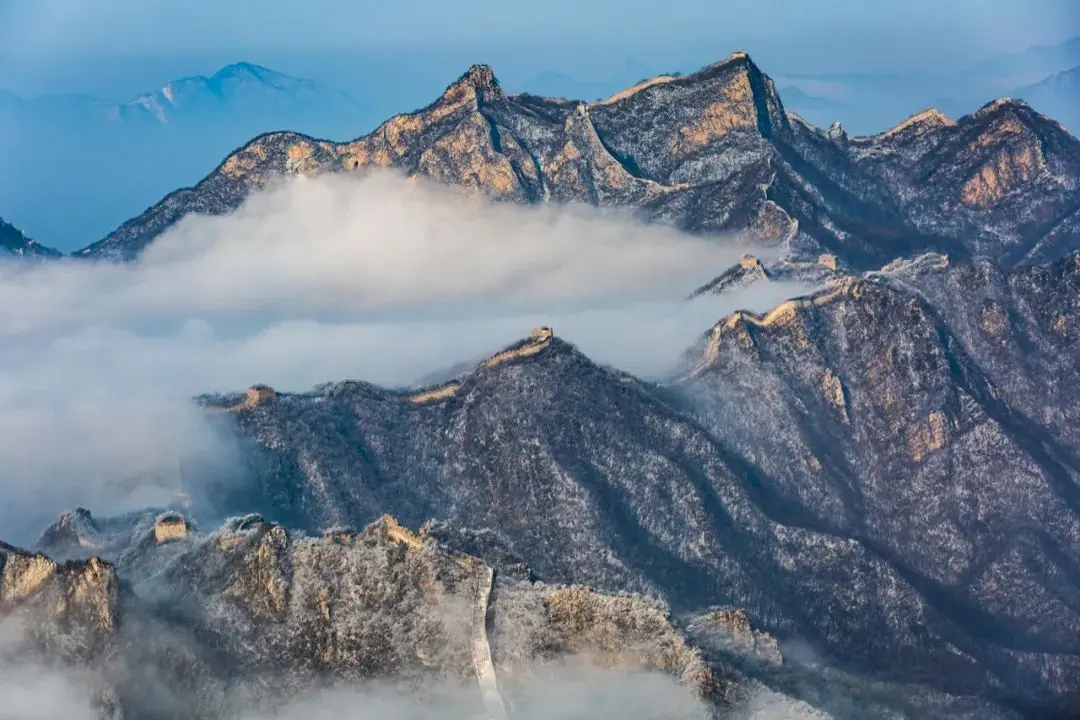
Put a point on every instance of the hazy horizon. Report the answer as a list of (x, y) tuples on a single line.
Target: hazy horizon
[(61, 46)]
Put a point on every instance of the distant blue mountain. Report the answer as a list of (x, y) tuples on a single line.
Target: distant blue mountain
[(820, 111), (869, 103), (1057, 96), (103, 161), (1034, 63), (235, 89)]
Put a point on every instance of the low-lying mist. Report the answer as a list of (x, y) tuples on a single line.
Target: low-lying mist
[(572, 689), (379, 278), (30, 690), (588, 693)]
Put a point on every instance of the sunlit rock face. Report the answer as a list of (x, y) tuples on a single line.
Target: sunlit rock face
[(251, 616), (708, 152), (927, 414), (63, 614)]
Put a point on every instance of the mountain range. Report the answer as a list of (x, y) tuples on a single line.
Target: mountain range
[(120, 156), (865, 500), (709, 152), (872, 102)]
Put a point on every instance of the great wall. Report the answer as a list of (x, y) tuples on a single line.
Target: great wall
[(539, 339), (784, 314)]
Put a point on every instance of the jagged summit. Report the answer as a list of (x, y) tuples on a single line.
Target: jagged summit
[(742, 323), (479, 82), (1002, 103), (710, 152), (747, 271), (1017, 110), (540, 342), (480, 75)]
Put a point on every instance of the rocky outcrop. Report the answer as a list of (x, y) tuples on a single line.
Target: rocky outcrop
[(67, 610), (708, 152), (252, 615)]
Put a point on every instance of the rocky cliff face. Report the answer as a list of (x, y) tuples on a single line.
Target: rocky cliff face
[(74, 604), (921, 413), (58, 614), (708, 152), (251, 615), (14, 242)]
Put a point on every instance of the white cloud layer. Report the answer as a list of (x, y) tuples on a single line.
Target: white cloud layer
[(591, 693), (381, 279)]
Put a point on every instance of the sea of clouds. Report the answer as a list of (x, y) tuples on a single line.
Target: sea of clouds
[(379, 278)]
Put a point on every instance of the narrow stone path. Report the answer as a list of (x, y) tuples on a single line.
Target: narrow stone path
[(481, 650)]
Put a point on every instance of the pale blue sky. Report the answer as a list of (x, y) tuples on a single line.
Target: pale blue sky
[(121, 45)]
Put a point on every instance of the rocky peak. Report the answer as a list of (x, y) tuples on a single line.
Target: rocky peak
[(747, 271), (540, 340), (837, 132), (771, 117), (72, 532), (1002, 105), (480, 75), (698, 128), (787, 317), (73, 604), (478, 81), (919, 124), (1006, 118)]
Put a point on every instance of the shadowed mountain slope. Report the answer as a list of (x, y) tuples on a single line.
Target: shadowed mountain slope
[(892, 480)]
